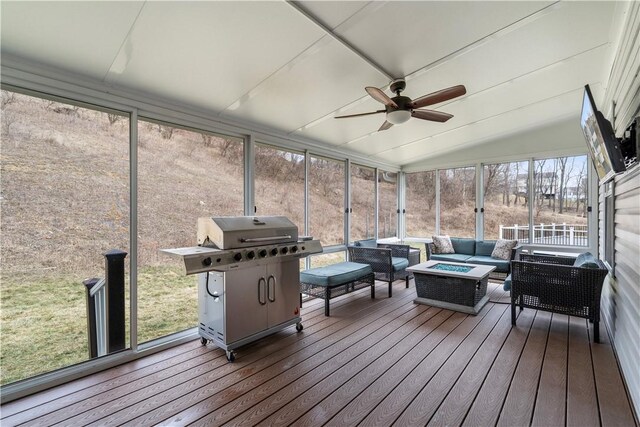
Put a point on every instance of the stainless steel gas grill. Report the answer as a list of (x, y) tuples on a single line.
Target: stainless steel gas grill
[(249, 285)]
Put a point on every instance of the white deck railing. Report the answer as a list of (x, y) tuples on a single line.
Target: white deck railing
[(548, 234)]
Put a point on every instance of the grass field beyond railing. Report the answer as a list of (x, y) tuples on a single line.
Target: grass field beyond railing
[(44, 319)]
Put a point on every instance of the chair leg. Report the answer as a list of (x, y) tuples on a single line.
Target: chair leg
[(373, 290), (327, 297), (596, 331), (406, 279), (390, 287), (300, 299), (513, 312)]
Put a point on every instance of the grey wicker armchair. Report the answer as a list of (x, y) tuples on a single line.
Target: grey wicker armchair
[(389, 262), (554, 284)]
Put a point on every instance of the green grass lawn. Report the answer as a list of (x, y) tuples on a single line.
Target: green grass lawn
[(44, 319)]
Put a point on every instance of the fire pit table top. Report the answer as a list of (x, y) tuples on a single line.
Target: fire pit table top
[(453, 269)]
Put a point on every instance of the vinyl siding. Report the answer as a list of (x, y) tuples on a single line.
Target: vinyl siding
[(621, 295)]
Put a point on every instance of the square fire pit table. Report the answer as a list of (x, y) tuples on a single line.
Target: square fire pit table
[(452, 285)]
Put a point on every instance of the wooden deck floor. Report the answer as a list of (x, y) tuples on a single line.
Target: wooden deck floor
[(373, 363)]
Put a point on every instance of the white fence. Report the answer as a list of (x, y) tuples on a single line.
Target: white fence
[(548, 234)]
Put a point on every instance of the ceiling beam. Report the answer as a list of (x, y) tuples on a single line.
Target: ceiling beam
[(296, 5)]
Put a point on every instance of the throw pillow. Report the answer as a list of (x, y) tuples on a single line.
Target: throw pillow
[(586, 260), (503, 249), (442, 245)]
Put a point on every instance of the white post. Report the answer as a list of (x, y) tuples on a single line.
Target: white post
[(542, 232), (553, 232), (515, 231), (564, 231), (571, 242), (501, 231)]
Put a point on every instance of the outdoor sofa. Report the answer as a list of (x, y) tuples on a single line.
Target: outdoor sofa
[(475, 252)]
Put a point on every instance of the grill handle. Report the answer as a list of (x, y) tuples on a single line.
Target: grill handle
[(260, 287), (265, 239), (271, 280)]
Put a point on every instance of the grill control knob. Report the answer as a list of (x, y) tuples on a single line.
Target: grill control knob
[(274, 251), (238, 256), (262, 253), (206, 262), (294, 249), (284, 250), (251, 254)]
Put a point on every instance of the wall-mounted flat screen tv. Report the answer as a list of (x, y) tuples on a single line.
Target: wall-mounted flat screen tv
[(603, 144)]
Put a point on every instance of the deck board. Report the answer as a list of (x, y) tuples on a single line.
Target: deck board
[(582, 402), (373, 362), (550, 406), (487, 405)]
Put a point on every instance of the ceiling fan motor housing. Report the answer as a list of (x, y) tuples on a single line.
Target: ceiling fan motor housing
[(403, 103)]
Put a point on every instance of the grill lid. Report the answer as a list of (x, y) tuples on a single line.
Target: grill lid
[(245, 231)]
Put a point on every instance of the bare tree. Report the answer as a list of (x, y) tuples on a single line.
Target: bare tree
[(565, 178), (543, 185), (506, 185), (517, 192), (491, 173), (165, 131), (554, 185), (562, 163), (8, 98), (113, 118), (581, 188)]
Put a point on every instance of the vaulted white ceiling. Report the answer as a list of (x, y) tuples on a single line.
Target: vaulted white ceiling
[(289, 66)]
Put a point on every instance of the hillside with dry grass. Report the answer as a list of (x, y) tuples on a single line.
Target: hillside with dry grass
[(64, 202)]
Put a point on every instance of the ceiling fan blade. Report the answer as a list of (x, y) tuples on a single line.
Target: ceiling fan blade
[(360, 114), (380, 96), (386, 125), (434, 116), (439, 96)]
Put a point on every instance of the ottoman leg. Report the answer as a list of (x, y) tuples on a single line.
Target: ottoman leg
[(390, 288), (406, 279)]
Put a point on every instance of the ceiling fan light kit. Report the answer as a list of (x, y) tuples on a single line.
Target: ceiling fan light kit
[(398, 117), (400, 109)]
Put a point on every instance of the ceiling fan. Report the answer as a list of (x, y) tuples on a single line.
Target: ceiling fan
[(399, 109)]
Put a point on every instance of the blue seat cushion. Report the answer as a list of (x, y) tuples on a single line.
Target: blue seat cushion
[(399, 263), (335, 274), (586, 260), (463, 246), (502, 266), (507, 283), (450, 257), (368, 243), (485, 247)]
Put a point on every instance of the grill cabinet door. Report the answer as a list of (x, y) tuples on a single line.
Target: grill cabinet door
[(245, 315), (284, 291)]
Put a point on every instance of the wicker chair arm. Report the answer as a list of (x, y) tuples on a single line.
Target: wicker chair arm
[(400, 251), (547, 259), (516, 252), (429, 250)]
